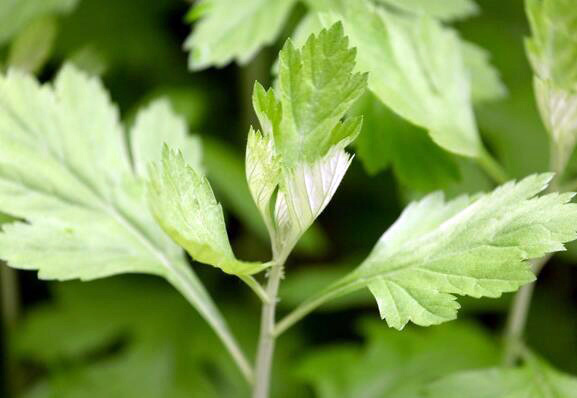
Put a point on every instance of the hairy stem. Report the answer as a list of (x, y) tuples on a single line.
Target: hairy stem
[(518, 316), (267, 338)]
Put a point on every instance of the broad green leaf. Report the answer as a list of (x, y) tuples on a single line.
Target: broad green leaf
[(297, 162), (416, 68), (475, 246), (396, 364), (535, 379), (446, 10), (16, 14), (183, 204), (66, 171), (234, 31)]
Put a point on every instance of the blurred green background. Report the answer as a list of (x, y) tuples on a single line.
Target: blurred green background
[(132, 336)]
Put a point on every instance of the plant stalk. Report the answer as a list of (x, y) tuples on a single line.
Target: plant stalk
[(492, 168), (267, 338), (518, 316)]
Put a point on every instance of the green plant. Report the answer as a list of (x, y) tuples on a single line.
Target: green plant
[(93, 199)]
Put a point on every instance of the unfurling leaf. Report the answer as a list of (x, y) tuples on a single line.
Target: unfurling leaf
[(475, 246), (296, 163), (66, 171), (234, 30), (535, 379), (183, 204)]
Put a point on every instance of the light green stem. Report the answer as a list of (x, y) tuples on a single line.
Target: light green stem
[(518, 316), (267, 338), (256, 287), (492, 168)]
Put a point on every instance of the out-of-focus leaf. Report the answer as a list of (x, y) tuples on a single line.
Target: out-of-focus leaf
[(165, 348), (423, 79), (32, 46), (130, 344), (446, 10), (535, 379), (552, 49), (311, 278), (396, 364), (113, 32), (486, 84), (387, 140), (234, 30), (184, 205), (15, 15)]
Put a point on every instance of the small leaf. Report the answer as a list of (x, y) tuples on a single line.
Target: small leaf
[(183, 204), (15, 15), (234, 31)]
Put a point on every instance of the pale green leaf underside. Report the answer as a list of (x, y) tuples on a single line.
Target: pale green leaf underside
[(474, 246), (184, 205), (416, 68), (65, 169), (296, 163), (445, 10), (552, 48), (235, 30), (535, 379)]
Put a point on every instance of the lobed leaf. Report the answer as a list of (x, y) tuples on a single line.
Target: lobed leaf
[(475, 246), (66, 173)]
